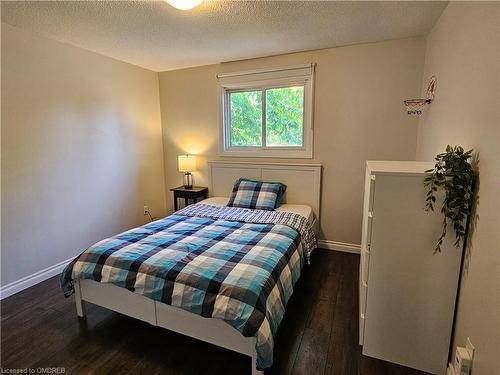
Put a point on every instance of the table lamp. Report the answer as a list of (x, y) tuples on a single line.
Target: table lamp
[(187, 164)]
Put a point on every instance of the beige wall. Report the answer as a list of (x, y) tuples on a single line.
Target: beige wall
[(81, 150), (463, 53), (358, 116)]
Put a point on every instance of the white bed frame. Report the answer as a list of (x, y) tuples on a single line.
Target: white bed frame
[(303, 187), (303, 181)]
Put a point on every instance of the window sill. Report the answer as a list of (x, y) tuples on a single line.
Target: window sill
[(263, 153)]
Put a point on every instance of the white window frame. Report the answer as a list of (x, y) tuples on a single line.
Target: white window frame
[(262, 79)]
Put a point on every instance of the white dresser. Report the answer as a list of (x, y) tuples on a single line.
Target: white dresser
[(406, 292)]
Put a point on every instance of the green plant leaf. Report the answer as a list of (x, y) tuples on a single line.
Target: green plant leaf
[(454, 175)]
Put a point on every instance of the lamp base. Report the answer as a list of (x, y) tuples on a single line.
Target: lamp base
[(188, 180)]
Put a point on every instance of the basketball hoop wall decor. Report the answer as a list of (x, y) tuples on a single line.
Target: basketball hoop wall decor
[(415, 107)]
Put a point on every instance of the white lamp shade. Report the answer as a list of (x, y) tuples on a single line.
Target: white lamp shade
[(186, 163)]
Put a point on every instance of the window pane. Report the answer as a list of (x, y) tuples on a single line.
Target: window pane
[(284, 116), (246, 118)]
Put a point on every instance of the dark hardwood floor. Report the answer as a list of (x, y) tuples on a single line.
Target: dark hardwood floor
[(319, 333)]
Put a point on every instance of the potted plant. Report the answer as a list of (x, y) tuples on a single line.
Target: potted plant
[(454, 175)]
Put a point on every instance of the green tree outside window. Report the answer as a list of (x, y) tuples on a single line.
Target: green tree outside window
[(284, 117)]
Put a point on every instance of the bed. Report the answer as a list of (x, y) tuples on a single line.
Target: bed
[(226, 273)]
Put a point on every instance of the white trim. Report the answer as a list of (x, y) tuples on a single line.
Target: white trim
[(265, 163), (42, 275), (33, 279), (339, 246), (259, 74), (260, 80)]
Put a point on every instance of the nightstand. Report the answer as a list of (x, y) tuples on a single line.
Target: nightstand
[(194, 193)]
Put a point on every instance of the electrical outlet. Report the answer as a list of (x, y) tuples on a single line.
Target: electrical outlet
[(470, 348), (146, 210), (462, 363), (451, 369)]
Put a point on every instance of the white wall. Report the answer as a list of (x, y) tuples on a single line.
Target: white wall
[(463, 53), (358, 115), (81, 150)]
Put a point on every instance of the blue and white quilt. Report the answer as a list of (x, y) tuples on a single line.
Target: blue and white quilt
[(234, 264)]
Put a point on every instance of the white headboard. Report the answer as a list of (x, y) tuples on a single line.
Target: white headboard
[(303, 181)]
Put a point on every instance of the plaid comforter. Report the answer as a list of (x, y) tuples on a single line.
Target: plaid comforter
[(237, 271)]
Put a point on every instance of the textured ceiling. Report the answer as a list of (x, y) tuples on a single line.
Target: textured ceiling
[(154, 35)]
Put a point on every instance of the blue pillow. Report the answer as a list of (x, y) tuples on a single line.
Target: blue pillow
[(257, 195)]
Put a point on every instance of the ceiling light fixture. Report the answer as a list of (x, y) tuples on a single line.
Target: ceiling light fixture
[(184, 4)]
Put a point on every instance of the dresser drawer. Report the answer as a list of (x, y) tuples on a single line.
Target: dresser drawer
[(365, 261), (362, 310)]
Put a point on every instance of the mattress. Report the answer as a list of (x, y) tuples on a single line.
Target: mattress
[(300, 209)]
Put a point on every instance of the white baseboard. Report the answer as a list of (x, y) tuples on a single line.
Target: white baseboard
[(30, 280), (339, 246), (38, 277)]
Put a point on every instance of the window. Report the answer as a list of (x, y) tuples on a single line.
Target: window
[(267, 113)]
